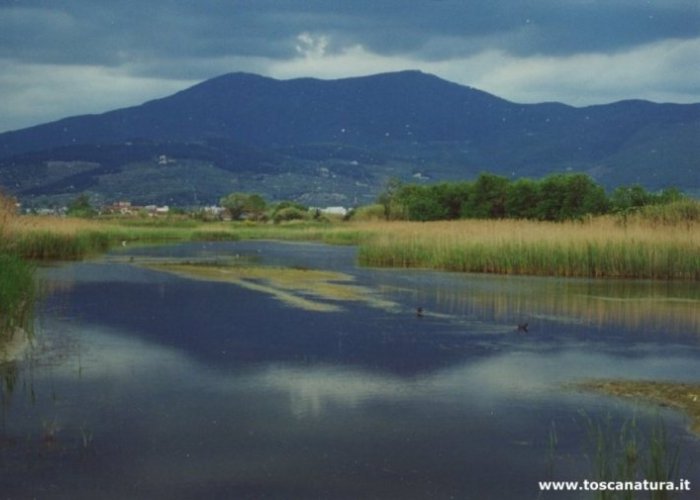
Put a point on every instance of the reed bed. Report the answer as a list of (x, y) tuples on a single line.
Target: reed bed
[(604, 247), (17, 292), (600, 248), (52, 238)]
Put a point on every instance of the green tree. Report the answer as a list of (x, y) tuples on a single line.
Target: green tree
[(255, 207), (81, 207), (387, 198), (452, 196), (583, 197), (570, 196), (244, 204), (421, 203), (670, 195), (522, 198), (625, 198), (488, 198)]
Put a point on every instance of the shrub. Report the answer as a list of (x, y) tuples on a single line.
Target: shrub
[(290, 213)]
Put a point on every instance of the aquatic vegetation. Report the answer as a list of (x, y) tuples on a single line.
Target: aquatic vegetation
[(46, 245), (631, 454), (603, 247), (309, 289), (221, 234), (682, 396), (17, 294)]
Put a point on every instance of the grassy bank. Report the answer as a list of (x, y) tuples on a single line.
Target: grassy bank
[(52, 238), (604, 247), (600, 248)]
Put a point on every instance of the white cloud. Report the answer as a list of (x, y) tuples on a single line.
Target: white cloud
[(37, 93), (352, 61), (663, 71), (310, 46)]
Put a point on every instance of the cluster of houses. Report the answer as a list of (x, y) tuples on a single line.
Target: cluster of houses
[(126, 208), (118, 208)]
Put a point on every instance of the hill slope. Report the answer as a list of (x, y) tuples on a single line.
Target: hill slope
[(336, 141)]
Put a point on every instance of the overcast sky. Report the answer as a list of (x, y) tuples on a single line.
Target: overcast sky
[(65, 57)]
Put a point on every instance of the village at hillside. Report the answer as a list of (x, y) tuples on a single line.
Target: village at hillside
[(241, 210)]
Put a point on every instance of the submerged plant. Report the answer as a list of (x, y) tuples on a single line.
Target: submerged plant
[(664, 460), (630, 454)]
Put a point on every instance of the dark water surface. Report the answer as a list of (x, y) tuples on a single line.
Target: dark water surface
[(146, 385)]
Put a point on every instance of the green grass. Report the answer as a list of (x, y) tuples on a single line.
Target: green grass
[(17, 294), (45, 245)]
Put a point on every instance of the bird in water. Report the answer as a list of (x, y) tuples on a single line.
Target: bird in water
[(522, 327), (419, 312)]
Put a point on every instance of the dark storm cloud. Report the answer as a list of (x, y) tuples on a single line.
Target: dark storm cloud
[(101, 32)]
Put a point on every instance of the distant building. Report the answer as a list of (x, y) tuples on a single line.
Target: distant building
[(342, 211), (126, 208)]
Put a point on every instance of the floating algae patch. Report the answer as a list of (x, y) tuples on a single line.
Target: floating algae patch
[(308, 289), (682, 396)]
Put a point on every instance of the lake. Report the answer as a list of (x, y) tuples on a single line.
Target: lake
[(144, 384)]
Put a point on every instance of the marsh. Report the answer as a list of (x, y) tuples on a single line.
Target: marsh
[(147, 383)]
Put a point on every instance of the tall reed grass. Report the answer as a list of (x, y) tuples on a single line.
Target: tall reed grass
[(605, 247), (17, 293), (632, 454), (600, 248), (17, 287), (52, 238)]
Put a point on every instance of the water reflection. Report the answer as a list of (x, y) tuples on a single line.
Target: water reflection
[(147, 385), (636, 307)]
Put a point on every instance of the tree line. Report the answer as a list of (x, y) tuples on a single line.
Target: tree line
[(556, 197)]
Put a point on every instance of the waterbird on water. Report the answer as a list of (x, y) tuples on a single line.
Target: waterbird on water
[(522, 327), (419, 312)]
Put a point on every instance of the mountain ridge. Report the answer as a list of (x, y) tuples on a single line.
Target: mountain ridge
[(407, 122)]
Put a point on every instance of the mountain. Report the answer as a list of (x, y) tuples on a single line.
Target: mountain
[(336, 142)]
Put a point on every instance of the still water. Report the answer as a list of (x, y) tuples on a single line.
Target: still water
[(141, 384)]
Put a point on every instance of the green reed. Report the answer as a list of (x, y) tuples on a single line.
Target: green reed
[(46, 245), (630, 454), (17, 294), (650, 260)]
